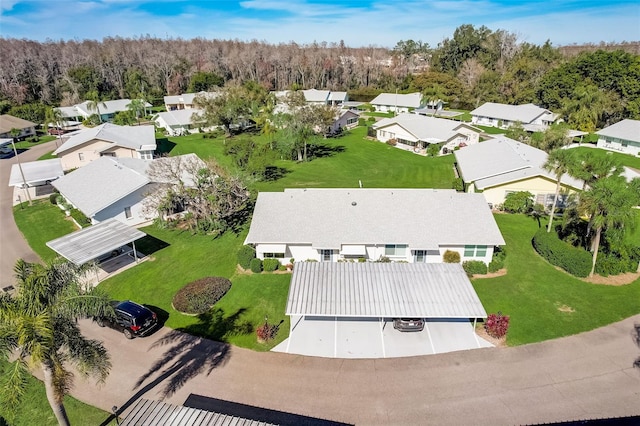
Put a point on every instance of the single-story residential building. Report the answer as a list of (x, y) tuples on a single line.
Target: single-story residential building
[(35, 173), (504, 115), (9, 122), (107, 109), (114, 188), (624, 136), (184, 101), (178, 122), (107, 140), (345, 119), (414, 131), (338, 98), (397, 102), (314, 96), (407, 225), (346, 310), (500, 166)]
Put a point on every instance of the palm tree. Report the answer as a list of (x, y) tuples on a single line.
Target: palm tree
[(54, 116), (590, 167), (94, 102), (38, 326), (609, 204), (137, 106), (558, 162)]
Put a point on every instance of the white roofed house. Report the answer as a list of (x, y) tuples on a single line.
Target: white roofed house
[(109, 188), (107, 140), (315, 96), (500, 166), (532, 117), (178, 122), (184, 101), (412, 225), (397, 102), (9, 122), (338, 98), (108, 109), (345, 119), (623, 136), (415, 132)]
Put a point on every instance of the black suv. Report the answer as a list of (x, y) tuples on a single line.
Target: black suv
[(131, 318)]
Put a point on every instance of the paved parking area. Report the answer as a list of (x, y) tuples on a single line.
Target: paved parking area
[(370, 338)]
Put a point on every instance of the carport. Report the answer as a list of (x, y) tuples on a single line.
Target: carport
[(345, 310), (98, 240), (35, 172)]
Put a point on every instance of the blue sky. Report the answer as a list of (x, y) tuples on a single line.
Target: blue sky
[(357, 22)]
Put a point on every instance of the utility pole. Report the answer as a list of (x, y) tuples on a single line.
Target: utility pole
[(24, 181)]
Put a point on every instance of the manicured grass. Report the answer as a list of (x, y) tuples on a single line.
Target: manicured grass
[(375, 164), (48, 156), (465, 116), (378, 114), (626, 159), (543, 302), (491, 130), (189, 257), (40, 223), (35, 410), (29, 142), (196, 143)]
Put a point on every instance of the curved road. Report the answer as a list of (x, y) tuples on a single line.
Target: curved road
[(589, 375)]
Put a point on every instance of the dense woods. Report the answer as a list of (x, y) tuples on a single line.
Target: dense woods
[(473, 66)]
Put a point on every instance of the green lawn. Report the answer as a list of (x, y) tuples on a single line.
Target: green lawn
[(466, 115), (491, 130), (35, 409), (543, 302), (40, 223), (48, 156), (626, 159), (29, 142)]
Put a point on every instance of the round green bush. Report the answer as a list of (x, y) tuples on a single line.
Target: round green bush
[(270, 265), (496, 264), (199, 296), (451, 256), (475, 267), (245, 255), (256, 265), (53, 198)]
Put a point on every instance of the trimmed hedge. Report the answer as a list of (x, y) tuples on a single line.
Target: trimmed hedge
[(256, 265), (82, 220), (270, 265), (199, 296), (475, 267), (575, 261), (245, 255)]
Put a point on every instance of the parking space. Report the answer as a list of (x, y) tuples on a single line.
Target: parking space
[(371, 338)]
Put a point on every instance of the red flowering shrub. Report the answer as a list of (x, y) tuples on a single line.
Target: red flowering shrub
[(267, 331), (497, 325)]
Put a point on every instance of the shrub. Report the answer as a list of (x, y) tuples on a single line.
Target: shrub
[(270, 265), (282, 268), (383, 259), (497, 325), (451, 256), (433, 150), (475, 267), (53, 198), (267, 331), (256, 265), (245, 255), (614, 264), (574, 260), (518, 202), (496, 264), (197, 297), (362, 260), (457, 184), (392, 142), (79, 217)]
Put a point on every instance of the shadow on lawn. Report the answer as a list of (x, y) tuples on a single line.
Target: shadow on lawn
[(164, 146), (187, 355), (149, 245), (322, 150)]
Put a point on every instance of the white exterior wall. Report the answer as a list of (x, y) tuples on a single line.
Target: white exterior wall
[(615, 144), (116, 210), (303, 253), (389, 108), (393, 132)]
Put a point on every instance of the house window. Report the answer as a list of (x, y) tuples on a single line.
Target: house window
[(146, 155), (81, 156), (326, 255), (127, 212), (475, 251), (395, 250), (273, 255), (108, 154), (420, 256)]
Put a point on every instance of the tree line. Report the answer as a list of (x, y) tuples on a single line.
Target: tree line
[(592, 89)]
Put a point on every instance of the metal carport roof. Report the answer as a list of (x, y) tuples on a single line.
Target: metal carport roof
[(389, 290), (82, 246), (36, 171)]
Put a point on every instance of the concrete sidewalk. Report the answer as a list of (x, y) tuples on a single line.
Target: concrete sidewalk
[(585, 376)]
